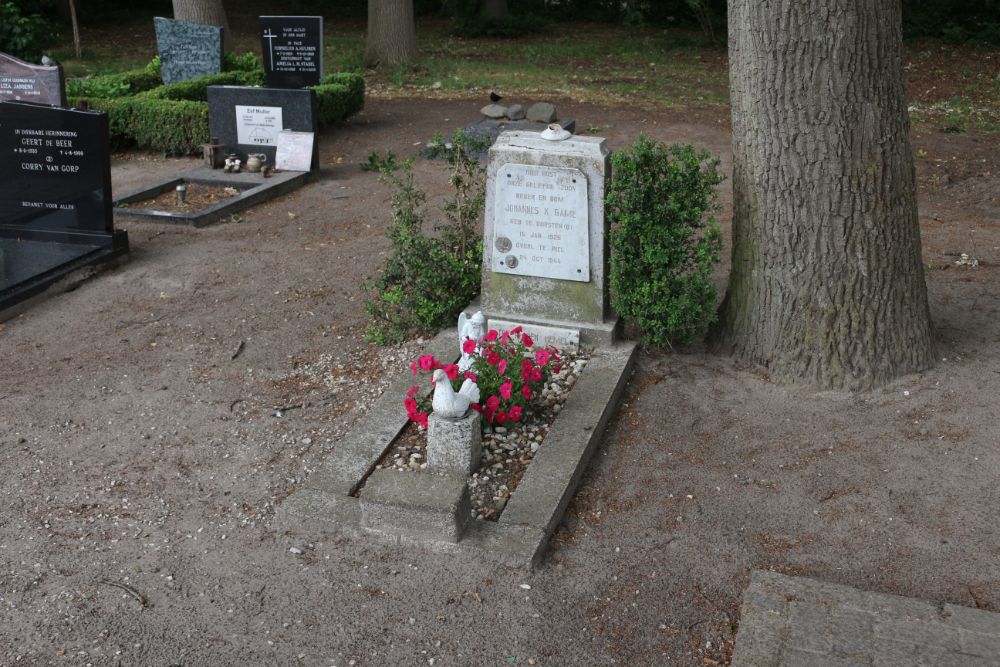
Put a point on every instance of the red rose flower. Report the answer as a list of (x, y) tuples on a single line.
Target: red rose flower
[(491, 335), (469, 346), (426, 362), (526, 392), (526, 339), (514, 413), (505, 389)]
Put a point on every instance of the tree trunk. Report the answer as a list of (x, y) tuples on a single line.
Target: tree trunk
[(827, 283), (209, 12), (494, 9), (392, 35)]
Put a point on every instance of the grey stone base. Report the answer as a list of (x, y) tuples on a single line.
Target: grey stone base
[(421, 505), (325, 502), (254, 189), (591, 334), (454, 446), (801, 622)]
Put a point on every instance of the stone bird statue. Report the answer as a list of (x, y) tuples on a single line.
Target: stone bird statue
[(494, 97), (448, 403)]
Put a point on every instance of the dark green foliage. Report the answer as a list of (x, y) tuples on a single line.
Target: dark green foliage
[(248, 62), (194, 90), (664, 241), (974, 21), (339, 96), (428, 279), (21, 34), (173, 118), (169, 126), (116, 85)]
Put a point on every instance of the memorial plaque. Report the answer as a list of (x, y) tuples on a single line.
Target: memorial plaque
[(294, 151), (249, 120), (540, 223), (31, 83), (187, 50), (292, 47), (56, 171), (258, 125)]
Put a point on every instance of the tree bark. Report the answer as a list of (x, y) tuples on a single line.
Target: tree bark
[(494, 9), (209, 12), (392, 35), (827, 283)]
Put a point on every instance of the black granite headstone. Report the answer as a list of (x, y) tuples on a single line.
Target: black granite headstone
[(187, 50), (31, 83), (55, 196), (293, 50), (248, 120)]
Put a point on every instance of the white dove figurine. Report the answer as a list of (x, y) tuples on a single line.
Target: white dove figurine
[(446, 402)]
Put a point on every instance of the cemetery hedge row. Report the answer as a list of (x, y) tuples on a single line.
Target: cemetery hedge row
[(173, 118)]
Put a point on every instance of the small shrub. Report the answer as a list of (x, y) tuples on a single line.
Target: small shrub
[(117, 85), (21, 35), (172, 127), (665, 243), (338, 96), (194, 90), (248, 62), (428, 279)]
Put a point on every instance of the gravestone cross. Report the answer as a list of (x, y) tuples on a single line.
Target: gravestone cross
[(292, 48)]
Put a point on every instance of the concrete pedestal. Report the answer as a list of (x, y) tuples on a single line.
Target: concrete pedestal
[(454, 446)]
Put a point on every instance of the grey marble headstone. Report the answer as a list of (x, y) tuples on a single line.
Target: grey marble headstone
[(187, 50), (249, 120), (31, 83)]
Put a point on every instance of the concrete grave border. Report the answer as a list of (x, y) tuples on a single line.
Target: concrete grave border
[(325, 502), (254, 190)]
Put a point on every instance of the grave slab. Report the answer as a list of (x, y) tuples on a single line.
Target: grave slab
[(429, 506), (249, 120), (254, 189), (187, 50), (325, 503), (788, 621), (23, 81), (55, 200), (292, 48)]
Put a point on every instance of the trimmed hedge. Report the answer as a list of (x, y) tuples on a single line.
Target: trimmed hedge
[(193, 90), (174, 118), (175, 127), (339, 96)]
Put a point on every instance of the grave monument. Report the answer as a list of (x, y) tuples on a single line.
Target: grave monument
[(292, 48), (187, 50), (545, 257), (55, 197), (21, 81)]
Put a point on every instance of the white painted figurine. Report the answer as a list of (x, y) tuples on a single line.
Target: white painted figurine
[(446, 402), (470, 328)]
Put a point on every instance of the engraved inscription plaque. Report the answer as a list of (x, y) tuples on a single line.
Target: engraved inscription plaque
[(543, 212)]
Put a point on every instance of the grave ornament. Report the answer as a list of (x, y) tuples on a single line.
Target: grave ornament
[(451, 404), (470, 328)]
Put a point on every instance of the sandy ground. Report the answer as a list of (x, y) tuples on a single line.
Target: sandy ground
[(142, 457)]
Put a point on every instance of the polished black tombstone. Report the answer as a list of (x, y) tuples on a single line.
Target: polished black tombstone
[(55, 196), (292, 47)]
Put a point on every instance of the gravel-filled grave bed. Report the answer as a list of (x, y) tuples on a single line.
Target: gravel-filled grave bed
[(507, 449)]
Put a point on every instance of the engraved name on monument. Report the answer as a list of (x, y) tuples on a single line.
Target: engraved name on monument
[(541, 222)]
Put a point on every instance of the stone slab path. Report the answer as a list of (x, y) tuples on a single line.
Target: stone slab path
[(802, 622)]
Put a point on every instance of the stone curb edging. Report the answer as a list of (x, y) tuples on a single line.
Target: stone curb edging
[(519, 538)]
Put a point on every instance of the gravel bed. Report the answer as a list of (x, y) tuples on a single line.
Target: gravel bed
[(507, 449)]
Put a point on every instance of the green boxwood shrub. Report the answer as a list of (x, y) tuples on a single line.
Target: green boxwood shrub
[(664, 241), (173, 118)]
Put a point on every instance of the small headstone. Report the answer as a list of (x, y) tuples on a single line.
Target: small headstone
[(31, 83), (292, 47), (515, 112), (542, 112), (494, 111), (249, 120), (294, 150), (545, 252), (187, 50)]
